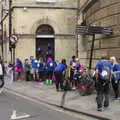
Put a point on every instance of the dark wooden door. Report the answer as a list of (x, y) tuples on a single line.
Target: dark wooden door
[(42, 43)]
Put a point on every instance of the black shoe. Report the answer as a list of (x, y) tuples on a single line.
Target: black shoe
[(106, 106), (116, 97), (99, 109), (57, 90)]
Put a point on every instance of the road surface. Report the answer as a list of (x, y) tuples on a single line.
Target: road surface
[(11, 103)]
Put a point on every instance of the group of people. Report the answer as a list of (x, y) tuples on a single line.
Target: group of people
[(38, 69), (107, 71), (42, 70)]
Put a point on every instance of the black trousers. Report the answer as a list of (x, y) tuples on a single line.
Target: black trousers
[(115, 85), (2, 81), (28, 76), (18, 75), (71, 74), (50, 74), (59, 80), (102, 93), (42, 75)]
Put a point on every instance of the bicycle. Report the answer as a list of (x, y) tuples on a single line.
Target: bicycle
[(85, 82)]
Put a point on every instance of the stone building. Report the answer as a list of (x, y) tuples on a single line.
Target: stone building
[(38, 23), (105, 13)]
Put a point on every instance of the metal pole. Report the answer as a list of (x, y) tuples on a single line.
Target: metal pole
[(10, 27), (2, 42), (14, 63), (14, 52), (10, 34), (91, 53), (77, 16), (3, 18)]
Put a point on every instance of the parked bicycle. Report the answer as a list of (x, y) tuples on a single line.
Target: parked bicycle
[(85, 81)]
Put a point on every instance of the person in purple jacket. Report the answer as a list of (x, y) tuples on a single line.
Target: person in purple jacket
[(72, 68), (19, 68)]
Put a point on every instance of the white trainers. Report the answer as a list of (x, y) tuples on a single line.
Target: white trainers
[(74, 88)]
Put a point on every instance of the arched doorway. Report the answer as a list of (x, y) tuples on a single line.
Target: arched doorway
[(45, 41)]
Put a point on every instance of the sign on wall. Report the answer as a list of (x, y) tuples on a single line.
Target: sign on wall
[(88, 30), (45, 0), (13, 39)]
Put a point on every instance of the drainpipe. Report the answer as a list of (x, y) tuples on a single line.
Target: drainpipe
[(2, 42), (77, 19), (10, 28)]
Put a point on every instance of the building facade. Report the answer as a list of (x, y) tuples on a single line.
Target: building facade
[(104, 13), (38, 23)]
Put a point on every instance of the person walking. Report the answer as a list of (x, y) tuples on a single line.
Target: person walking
[(116, 76), (103, 77), (59, 73)]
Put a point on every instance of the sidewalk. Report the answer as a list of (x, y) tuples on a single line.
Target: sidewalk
[(69, 100)]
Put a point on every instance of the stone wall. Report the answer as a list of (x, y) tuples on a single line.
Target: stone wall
[(104, 13)]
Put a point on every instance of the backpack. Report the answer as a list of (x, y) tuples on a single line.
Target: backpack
[(105, 73), (116, 75)]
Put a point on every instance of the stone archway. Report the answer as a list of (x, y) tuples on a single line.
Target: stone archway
[(45, 41), (47, 21)]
